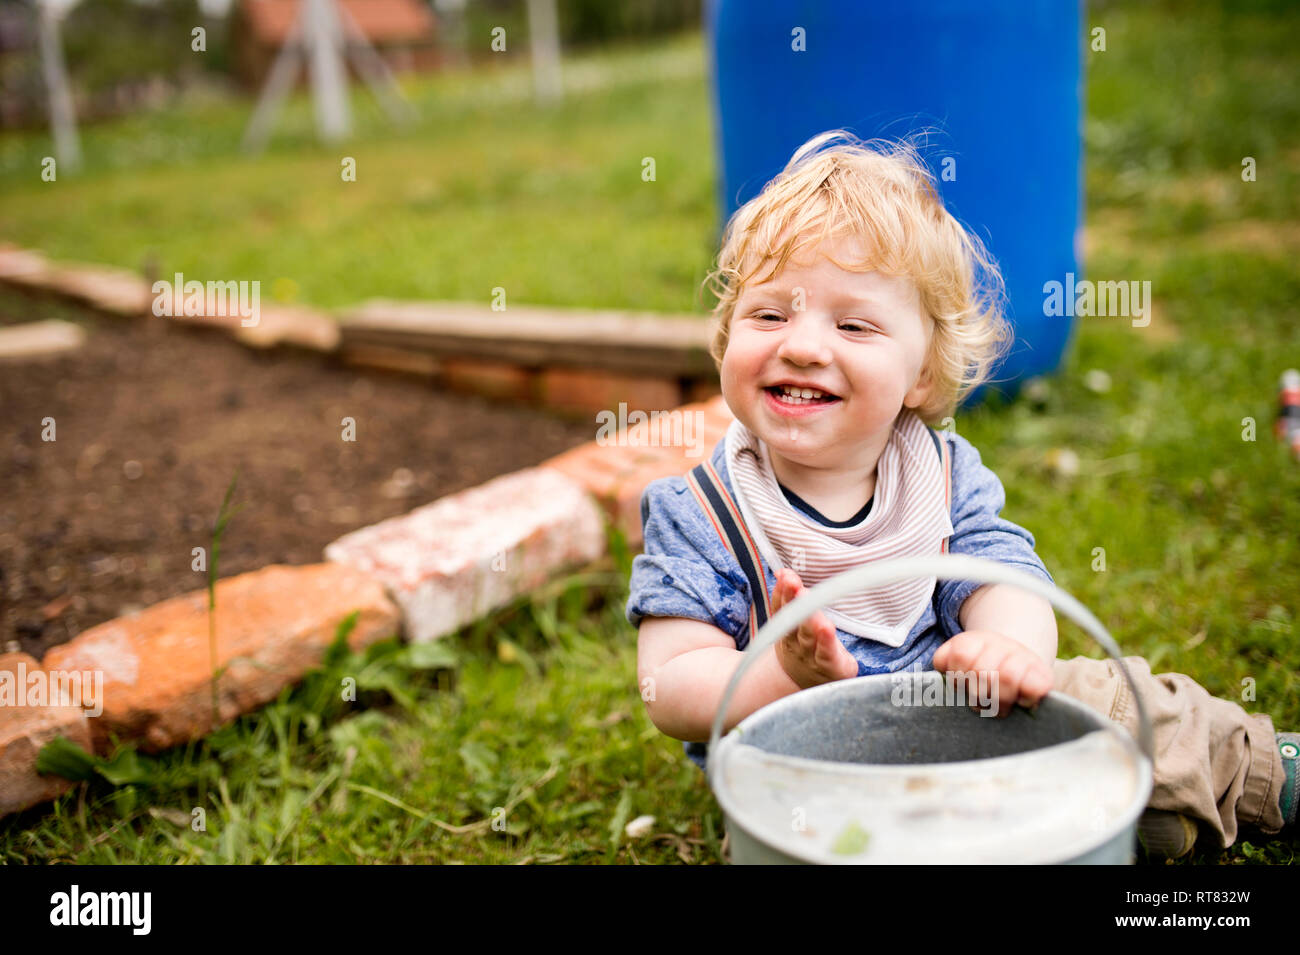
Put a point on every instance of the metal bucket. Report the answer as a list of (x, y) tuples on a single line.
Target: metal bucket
[(870, 770)]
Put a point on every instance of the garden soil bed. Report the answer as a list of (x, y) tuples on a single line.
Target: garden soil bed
[(152, 420)]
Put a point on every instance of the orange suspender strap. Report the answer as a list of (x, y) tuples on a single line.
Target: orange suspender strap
[(945, 458), (718, 506)]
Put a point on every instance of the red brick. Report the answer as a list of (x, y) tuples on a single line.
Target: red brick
[(573, 462), (391, 359), (617, 473), (453, 561), (490, 378), (599, 468), (23, 731), (626, 515), (627, 505), (580, 390), (272, 626)]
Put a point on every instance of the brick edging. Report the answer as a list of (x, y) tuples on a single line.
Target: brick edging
[(423, 574), (568, 387)]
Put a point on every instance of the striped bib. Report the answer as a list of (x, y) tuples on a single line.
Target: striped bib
[(910, 516)]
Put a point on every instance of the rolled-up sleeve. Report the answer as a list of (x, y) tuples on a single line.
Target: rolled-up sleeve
[(683, 572), (979, 530)]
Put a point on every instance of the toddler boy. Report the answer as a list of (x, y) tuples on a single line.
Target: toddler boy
[(853, 312)]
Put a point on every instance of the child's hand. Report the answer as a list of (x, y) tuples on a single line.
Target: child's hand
[(813, 654), (1022, 676)]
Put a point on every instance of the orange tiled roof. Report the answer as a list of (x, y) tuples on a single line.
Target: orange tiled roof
[(380, 20)]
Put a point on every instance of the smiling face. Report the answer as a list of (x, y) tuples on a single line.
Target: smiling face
[(860, 339)]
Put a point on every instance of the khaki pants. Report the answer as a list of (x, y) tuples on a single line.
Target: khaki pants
[(1213, 761)]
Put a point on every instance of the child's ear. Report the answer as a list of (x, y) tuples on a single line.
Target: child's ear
[(920, 392)]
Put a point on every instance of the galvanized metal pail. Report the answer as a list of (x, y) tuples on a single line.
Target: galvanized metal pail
[(898, 768)]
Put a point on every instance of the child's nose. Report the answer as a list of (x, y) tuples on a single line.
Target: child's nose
[(805, 343)]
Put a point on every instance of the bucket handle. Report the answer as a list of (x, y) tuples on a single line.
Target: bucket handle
[(943, 567)]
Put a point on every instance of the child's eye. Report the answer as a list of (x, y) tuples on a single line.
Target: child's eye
[(771, 315), (856, 327)]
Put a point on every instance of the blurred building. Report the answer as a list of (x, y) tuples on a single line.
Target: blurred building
[(403, 32)]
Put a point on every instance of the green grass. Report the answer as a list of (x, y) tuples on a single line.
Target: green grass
[(448, 754), (484, 191), (1199, 527)]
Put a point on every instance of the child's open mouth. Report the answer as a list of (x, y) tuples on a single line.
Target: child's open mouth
[(788, 399)]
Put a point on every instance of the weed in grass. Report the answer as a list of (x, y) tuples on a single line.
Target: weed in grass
[(218, 529)]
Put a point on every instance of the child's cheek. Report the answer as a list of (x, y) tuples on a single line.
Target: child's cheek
[(732, 376)]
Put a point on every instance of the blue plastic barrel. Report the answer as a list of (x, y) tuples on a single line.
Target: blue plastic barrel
[(999, 79)]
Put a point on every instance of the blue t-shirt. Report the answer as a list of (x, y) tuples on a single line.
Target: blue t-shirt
[(686, 571)]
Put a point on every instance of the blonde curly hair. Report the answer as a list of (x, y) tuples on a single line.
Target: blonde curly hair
[(880, 190)]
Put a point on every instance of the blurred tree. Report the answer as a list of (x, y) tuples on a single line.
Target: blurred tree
[(111, 41), (119, 53), (582, 22), (598, 21)]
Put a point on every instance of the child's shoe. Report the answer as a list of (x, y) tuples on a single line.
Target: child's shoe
[(1167, 835), (1172, 835)]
